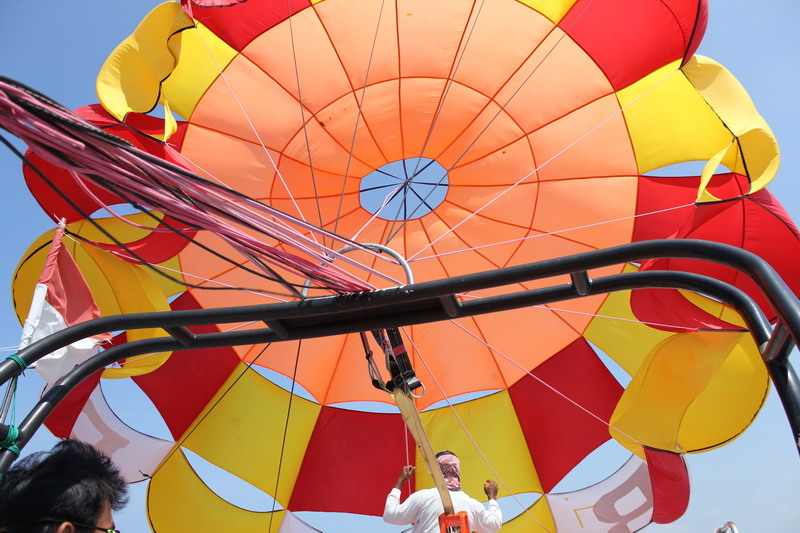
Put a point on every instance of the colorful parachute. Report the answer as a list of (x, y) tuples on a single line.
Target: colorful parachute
[(465, 137)]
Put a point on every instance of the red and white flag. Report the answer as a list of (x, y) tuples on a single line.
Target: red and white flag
[(61, 299)]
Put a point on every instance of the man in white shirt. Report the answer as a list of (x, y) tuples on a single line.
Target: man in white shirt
[(424, 506)]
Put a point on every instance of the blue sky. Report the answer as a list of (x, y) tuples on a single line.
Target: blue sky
[(58, 47)]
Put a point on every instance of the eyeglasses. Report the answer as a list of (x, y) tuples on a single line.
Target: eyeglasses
[(78, 524)]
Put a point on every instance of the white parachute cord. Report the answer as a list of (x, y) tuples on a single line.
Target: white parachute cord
[(451, 76), (539, 167), (389, 197), (462, 50)]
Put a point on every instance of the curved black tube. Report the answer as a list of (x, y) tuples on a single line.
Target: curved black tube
[(352, 315)]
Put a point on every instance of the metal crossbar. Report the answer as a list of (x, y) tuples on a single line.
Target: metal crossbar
[(434, 301)]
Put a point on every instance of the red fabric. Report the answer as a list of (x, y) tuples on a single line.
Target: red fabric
[(559, 434), (629, 40), (700, 25), (659, 193), (63, 417), (182, 387), (240, 23), (156, 247), (669, 310), (756, 223), (352, 460), (670, 481)]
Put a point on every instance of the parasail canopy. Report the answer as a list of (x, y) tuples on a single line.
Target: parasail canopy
[(465, 137)]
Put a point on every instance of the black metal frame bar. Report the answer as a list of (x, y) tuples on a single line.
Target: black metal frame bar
[(436, 301)]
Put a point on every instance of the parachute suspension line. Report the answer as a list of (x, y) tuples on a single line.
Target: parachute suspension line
[(552, 389), (59, 133), (462, 47), (80, 211), (539, 167), (500, 110), (462, 50), (555, 232), (406, 188), (252, 127), (222, 286), (358, 118), (254, 292), (92, 221), (299, 241), (272, 275), (54, 133), (388, 198), (186, 435), (472, 440), (285, 433), (279, 219), (303, 116), (282, 220)]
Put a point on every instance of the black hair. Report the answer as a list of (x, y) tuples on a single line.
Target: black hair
[(445, 452), (70, 483)]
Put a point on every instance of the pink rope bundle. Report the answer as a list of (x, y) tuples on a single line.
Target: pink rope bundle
[(65, 139)]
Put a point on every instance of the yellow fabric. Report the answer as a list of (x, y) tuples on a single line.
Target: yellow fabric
[(623, 337), (552, 9), (203, 56), (177, 500), (171, 267), (694, 391), (541, 520), (121, 287), (756, 143), (493, 425), (669, 121), (715, 308), (242, 432), (130, 79), (27, 273), (709, 169)]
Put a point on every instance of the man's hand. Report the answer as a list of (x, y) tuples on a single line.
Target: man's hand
[(405, 475), (490, 488)]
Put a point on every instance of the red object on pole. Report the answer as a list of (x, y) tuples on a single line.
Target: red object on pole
[(454, 523)]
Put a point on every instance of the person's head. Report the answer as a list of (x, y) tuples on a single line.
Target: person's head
[(57, 490), (451, 469)]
